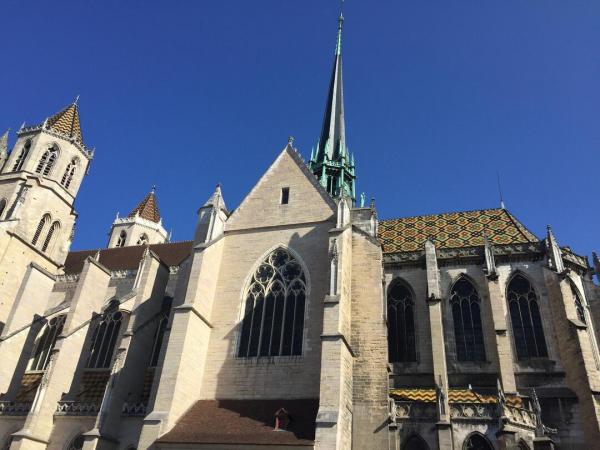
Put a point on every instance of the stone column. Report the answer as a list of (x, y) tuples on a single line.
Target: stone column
[(89, 297), (186, 344), (440, 372), (334, 419)]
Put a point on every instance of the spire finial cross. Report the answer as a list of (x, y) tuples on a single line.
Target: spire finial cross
[(76, 101)]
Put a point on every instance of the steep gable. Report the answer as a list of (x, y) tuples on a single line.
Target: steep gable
[(262, 207)]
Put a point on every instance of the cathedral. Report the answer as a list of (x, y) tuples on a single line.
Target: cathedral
[(298, 320)]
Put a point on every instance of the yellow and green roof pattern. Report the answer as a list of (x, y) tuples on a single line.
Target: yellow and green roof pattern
[(66, 122), (454, 396), (453, 230)]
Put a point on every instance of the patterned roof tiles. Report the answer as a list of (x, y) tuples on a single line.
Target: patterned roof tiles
[(147, 208), (66, 122), (454, 396), (452, 230)]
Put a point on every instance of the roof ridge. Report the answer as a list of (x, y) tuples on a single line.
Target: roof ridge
[(441, 214), (519, 225)]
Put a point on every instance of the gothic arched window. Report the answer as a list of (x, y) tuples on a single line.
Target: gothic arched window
[(45, 343), (273, 323), (76, 443), (54, 229), (415, 443), (22, 156), (122, 239), (67, 178), (466, 314), (401, 323), (47, 161), (578, 304), (526, 319), (143, 240), (477, 441), (2, 206), (41, 225), (160, 331), (104, 338)]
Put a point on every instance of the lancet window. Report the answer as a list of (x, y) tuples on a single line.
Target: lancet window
[(466, 315), (47, 161), (104, 338), (22, 157), (122, 239), (46, 342), (578, 304), (40, 228), (273, 323), (401, 323), (161, 327), (526, 319), (67, 178), (54, 229), (143, 240)]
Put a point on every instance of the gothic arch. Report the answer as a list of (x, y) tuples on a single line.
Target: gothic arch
[(523, 302), (401, 323), (22, 156), (414, 442), (48, 159), (477, 441), (51, 236), (274, 306), (465, 304), (46, 219), (45, 342), (578, 300)]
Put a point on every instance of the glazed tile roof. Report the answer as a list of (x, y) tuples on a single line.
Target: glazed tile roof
[(452, 230), (66, 122), (147, 208), (29, 385), (93, 385), (245, 422), (454, 396), (124, 258)]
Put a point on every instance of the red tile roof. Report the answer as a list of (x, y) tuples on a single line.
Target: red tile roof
[(453, 230), (125, 258), (147, 209), (245, 422)]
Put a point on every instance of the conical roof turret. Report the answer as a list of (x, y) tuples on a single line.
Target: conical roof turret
[(147, 208)]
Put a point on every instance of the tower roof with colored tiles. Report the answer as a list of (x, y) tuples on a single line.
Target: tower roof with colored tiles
[(66, 122), (453, 230), (147, 208)]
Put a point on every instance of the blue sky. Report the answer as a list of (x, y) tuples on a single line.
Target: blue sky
[(439, 97)]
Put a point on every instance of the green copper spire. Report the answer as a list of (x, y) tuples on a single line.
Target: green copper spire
[(331, 163)]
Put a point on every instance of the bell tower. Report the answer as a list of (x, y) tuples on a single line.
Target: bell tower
[(39, 181)]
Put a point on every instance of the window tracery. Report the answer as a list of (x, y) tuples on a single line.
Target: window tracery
[(466, 315), (46, 342), (528, 330), (273, 323), (401, 323), (104, 338), (477, 442), (40, 228), (122, 239), (51, 232), (67, 178), (47, 161), (22, 157)]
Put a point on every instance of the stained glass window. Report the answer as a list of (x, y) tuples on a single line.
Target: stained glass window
[(273, 323), (401, 323), (466, 315), (526, 320)]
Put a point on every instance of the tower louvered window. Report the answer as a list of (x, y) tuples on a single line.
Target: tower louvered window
[(466, 315), (578, 304), (526, 320), (54, 229), (273, 323), (46, 342), (40, 228), (104, 339), (22, 157), (67, 178), (401, 323), (122, 239), (47, 161), (143, 240)]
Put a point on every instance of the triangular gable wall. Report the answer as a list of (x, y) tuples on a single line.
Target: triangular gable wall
[(308, 201)]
